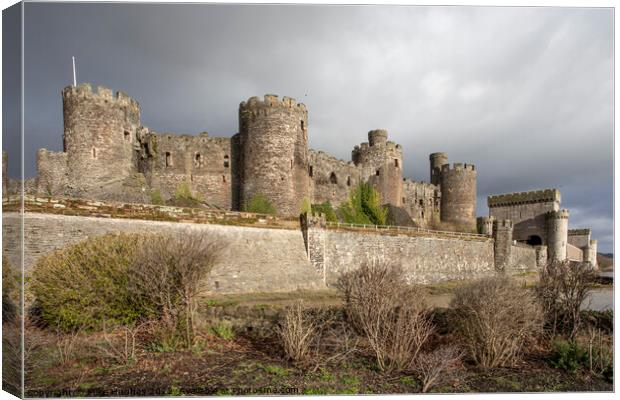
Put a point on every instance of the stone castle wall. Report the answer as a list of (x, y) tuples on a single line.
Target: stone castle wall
[(108, 155), (458, 195), (254, 259), (574, 253), (200, 163), (331, 179)]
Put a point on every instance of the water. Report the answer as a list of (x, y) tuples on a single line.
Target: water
[(600, 300)]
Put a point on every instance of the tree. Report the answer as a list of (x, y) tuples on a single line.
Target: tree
[(363, 206)]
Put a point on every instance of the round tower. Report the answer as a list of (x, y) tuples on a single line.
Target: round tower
[(590, 252), (273, 139), (437, 161), (458, 195), (557, 234), (381, 163), (99, 135)]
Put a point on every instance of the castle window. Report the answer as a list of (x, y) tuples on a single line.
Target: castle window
[(348, 181), (168, 159), (377, 173), (311, 171), (421, 203), (127, 137), (291, 164), (332, 178), (226, 164), (302, 124), (198, 160), (404, 200), (224, 178), (396, 162), (94, 153)]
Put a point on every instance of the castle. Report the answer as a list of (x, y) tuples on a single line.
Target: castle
[(109, 155)]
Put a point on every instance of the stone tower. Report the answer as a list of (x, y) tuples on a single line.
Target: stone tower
[(273, 142), (381, 165), (485, 225), (458, 191), (99, 136), (502, 246), (557, 234), (437, 160)]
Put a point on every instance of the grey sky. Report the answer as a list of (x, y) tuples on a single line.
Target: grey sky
[(525, 94)]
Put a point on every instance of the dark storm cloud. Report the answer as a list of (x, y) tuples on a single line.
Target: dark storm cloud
[(526, 94)]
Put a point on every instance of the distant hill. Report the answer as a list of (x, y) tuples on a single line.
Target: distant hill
[(605, 261)]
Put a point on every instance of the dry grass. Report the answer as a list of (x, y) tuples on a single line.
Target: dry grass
[(495, 318), (392, 315)]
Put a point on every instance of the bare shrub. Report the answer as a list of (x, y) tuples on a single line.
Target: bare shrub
[(562, 289), (297, 332), (66, 344), (168, 274), (433, 366), (495, 318), (600, 352), (121, 345), (392, 315)]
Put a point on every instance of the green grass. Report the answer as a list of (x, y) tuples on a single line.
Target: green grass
[(224, 330)]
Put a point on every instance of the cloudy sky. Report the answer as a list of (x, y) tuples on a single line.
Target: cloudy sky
[(525, 94)]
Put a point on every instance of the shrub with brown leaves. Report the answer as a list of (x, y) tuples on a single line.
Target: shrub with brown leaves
[(297, 332), (433, 366), (495, 317)]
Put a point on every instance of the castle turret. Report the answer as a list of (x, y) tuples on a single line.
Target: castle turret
[(381, 164), (437, 161), (273, 140), (502, 246), (557, 234), (590, 252), (99, 135), (458, 195), (485, 225)]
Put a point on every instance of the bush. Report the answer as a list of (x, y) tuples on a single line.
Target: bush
[(326, 209), (567, 355), (495, 318), (86, 283), (432, 367), (261, 205), (156, 197), (224, 330), (363, 207), (121, 279), (562, 289), (297, 332), (391, 314), (10, 292)]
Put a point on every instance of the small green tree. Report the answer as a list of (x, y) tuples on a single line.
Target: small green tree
[(327, 209), (306, 206), (363, 206), (261, 205)]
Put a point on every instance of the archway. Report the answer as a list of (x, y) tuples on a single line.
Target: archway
[(534, 240)]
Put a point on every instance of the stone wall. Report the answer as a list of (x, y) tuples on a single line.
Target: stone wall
[(425, 256), (201, 163), (53, 174), (522, 258), (458, 195), (574, 253), (579, 237), (422, 201), (331, 179), (254, 259)]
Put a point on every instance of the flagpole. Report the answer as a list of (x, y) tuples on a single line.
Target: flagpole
[(74, 80)]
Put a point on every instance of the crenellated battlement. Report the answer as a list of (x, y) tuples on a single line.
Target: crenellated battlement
[(559, 214), (271, 101), (534, 196), (458, 167), (503, 223), (101, 93), (579, 232)]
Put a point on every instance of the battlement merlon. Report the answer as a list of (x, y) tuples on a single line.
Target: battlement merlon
[(271, 101), (580, 232), (535, 196), (559, 214), (458, 167), (85, 91)]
